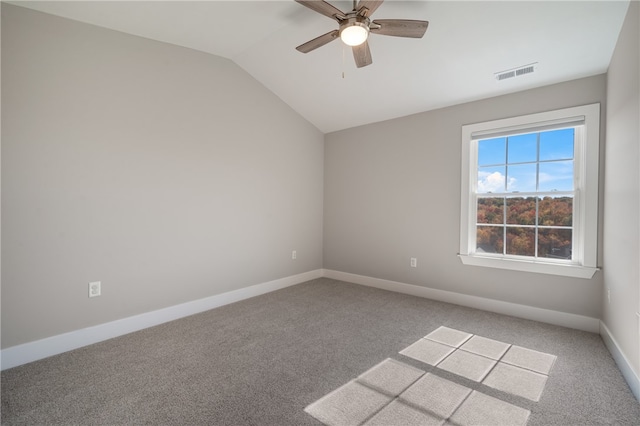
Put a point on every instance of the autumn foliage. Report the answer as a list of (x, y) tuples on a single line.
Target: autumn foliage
[(493, 229)]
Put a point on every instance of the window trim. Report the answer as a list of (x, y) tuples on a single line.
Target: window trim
[(586, 165)]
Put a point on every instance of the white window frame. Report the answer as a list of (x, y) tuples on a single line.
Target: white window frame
[(585, 219)]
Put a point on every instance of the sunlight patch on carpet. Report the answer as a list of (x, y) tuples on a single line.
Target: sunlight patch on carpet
[(350, 404), (517, 381), (529, 359), (400, 414), (486, 347), (466, 364), (394, 393), (509, 368), (427, 351), (436, 395), (448, 336), (481, 409), (431, 400), (390, 377)]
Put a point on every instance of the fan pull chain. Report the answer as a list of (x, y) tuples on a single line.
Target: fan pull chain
[(344, 48)]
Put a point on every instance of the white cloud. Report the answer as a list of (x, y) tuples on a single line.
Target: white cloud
[(493, 182), (559, 182)]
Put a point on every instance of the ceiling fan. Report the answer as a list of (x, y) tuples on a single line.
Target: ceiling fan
[(355, 26)]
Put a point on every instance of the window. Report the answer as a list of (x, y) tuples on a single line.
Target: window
[(530, 192)]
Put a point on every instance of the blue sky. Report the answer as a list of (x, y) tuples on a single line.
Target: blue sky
[(514, 161)]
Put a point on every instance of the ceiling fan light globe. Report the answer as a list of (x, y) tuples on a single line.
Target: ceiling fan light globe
[(354, 35)]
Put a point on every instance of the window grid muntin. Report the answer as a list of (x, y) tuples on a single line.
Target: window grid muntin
[(537, 194), (525, 162)]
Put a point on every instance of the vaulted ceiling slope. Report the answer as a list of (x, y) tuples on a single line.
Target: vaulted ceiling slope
[(466, 44)]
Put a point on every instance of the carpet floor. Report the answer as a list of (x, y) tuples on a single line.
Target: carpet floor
[(262, 361)]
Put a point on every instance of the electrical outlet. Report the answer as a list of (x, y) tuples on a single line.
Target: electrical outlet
[(414, 262), (608, 294), (294, 255), (94, 289)]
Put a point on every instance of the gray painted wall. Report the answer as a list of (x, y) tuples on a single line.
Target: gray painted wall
[(622, 191), (172, 175), (392, 192), (168, 174)]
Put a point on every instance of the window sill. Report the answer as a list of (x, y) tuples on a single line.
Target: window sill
[(574, 271)]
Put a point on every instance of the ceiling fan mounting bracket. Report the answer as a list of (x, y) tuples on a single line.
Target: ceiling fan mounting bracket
[(339, 18), (363, 11)]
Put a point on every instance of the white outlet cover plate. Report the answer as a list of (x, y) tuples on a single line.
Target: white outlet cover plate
[(94, 289)]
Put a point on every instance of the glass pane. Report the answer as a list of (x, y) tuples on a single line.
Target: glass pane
[(521, 178), (489, 239), (492, 151), (491, 179), (555, 211), (557, 144), (556, 176), (554, 243), (491, 210), (523, 148), (521, 211), (521, 241)]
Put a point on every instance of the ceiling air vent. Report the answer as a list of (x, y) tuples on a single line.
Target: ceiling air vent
[(516, 72)]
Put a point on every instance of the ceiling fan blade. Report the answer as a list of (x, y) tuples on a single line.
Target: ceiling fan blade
[(370, 5), (318, 41), (362, 55), (400, 27), (323, 8)]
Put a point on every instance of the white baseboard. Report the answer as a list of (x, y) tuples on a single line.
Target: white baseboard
[(33, 351), (564, 319), (621, 360), (39, 349)]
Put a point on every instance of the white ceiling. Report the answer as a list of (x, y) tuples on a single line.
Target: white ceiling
[(465, 44)]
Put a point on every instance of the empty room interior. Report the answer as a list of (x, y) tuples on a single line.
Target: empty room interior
[(231, 213)]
